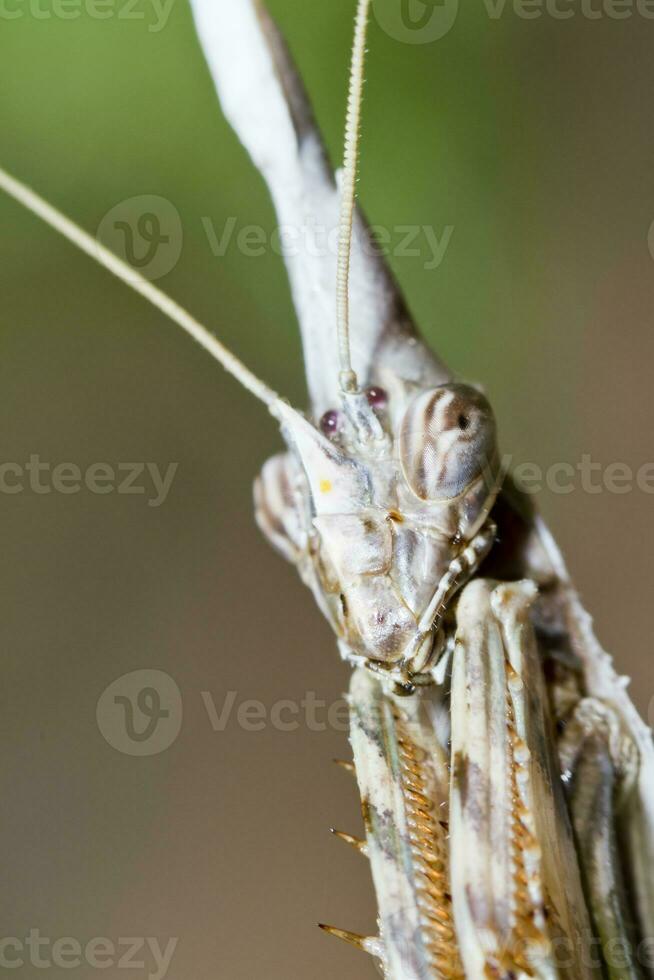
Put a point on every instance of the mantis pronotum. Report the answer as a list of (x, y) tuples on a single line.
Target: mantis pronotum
[(450, 709)]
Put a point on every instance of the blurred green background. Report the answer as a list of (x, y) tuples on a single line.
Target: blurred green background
[(534, 140)]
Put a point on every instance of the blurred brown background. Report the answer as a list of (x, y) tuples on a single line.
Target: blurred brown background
[(535, 140)]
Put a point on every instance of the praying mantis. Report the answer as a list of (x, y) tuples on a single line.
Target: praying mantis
[(477, 680)]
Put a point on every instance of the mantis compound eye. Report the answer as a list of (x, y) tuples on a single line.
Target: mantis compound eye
[(331, 423), (377, 397), (447, 441)]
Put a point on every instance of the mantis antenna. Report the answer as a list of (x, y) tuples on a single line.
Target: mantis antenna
[(347, 377), (140, 284)]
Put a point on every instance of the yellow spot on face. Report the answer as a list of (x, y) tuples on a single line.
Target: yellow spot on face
[(325, 486)]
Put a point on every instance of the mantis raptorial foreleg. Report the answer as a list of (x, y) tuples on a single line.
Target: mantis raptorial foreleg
[(600, 768), (470, 843), (518, 899)]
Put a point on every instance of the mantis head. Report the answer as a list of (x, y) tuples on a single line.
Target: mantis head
[(386, 528)]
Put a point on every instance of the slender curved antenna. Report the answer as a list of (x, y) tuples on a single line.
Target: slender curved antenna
[(140, 284), (347, 377)]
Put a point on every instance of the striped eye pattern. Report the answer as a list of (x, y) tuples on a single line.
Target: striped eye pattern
[(447, 440)]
